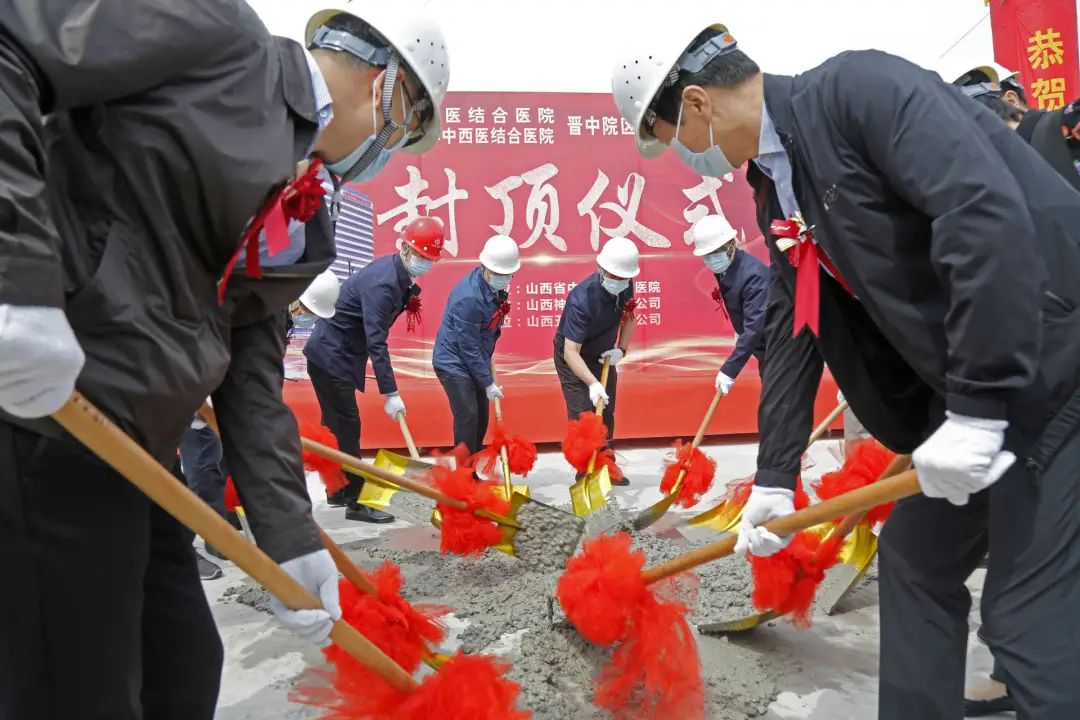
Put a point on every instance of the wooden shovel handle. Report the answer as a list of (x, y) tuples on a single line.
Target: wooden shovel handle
[(707, 419), (498, 411), (844, 528), (603, 382), (850, 503), (413, 452), (823, 427), (87, 424), (504, 454)]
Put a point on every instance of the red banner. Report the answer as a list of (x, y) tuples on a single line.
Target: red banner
[(559, 173), (1039, 37)]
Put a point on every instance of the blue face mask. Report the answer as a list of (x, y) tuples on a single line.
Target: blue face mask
[(344, 165), (499, 283), (614, 286), (305, 321), (710, 163), (718, 261), (417, 266)]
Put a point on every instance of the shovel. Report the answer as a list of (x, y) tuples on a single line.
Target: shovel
[(376, 492), (533, 532), (508, 488), (725, 516), (857, 554), (589, 494), (342, 561), (87, 424), (651, 514), (855, 557)]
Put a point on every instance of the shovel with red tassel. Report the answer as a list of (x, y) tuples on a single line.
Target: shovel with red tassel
[(654, 670), (725, 515), (368, 683), (400, 625), (685, 479), (473, 517), (586, 449)]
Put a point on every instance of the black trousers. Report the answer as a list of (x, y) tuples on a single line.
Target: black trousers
[(1030, 602), (102, 616), (203, 467), (576, 393), (469, 404), (341, 414)]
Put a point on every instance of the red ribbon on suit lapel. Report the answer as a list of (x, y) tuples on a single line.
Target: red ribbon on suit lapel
[(414, 313), (630, 309), (803, 256), (721, 305), (500, 315), (296, 200)]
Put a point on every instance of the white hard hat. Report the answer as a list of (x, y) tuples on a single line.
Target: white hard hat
[(711, 233), (619, 256), (415, 38), (321, 295), (644, 72), (500, 255), (960, 72)]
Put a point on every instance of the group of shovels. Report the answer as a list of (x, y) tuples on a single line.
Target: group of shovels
[(605, 590)]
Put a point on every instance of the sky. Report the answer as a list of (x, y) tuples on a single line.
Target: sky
[(570, 45)]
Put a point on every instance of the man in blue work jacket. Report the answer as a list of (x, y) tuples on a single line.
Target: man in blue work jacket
[(338, 349), (597, 324), (465, 344), (743, 292)]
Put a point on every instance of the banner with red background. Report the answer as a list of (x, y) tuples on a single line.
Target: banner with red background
[(559, 173), (1039, 38)]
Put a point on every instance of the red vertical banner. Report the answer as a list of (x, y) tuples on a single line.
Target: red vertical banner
[(1040, 38)]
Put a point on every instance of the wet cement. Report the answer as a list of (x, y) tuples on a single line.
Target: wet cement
[(510, 611)]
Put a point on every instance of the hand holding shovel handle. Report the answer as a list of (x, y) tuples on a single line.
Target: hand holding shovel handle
[(503, 452), (86, 423), (850, 503), (600, 408)]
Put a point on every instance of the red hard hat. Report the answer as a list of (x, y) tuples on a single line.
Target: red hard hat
[(424, 235)]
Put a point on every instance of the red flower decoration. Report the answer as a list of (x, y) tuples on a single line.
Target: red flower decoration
[(414, 313), (302, 198), (500, 315), (630, 308), (719, 300)]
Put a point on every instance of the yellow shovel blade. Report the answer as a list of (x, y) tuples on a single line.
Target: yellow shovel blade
[(856, 556), (377, 492), (520, 494), (724, 517), (590, 493), (737, 624)]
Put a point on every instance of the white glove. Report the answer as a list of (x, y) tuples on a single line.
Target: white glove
[(723, 382), (40, 359), (316, 572), (494, 392), (616, 354), (763, 505), (596, 392), (962, 457), (394, 405)]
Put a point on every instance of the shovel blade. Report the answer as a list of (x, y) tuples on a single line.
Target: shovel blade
[(741, 624), (724, 517), (651, 514), (548, 536), (377, 492), (590, 493), (856, 556), (506, 545)]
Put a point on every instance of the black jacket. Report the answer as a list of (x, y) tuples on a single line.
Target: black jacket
[(136, 144), (1045, 136), (371, 301), (744, 289), (961, 244)]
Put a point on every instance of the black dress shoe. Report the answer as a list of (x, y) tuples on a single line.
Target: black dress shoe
[(363, 513), (337, 499), (982, 708)]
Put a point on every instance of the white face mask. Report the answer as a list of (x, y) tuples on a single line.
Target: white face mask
[(710, 163), (718, 261), (613, 285), (499, 283)]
